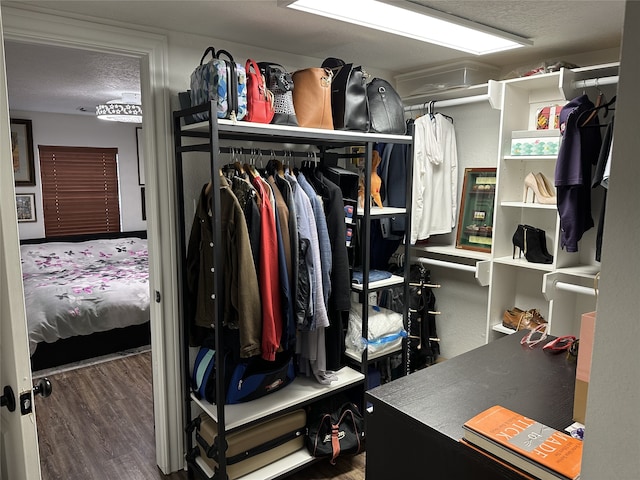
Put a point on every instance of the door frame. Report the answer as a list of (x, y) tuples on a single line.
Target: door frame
[(36, 27)]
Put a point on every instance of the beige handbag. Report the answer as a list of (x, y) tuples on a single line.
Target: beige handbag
[(312, 97)]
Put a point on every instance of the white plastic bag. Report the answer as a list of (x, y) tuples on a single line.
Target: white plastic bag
[(384, 334)]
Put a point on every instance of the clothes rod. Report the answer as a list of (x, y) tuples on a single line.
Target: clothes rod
[(442, 263), (267, 154), (569, 287), (595, 82), (454, 102)]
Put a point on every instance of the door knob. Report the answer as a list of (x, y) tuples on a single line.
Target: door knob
[(43, 387), (8, 399)]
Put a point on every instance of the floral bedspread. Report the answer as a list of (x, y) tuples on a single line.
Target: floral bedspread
[(85, 287)]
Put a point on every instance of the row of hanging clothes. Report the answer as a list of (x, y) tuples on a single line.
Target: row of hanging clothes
[(285, 272), (583, 165)]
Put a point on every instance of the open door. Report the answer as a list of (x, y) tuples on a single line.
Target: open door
[(19, 456)]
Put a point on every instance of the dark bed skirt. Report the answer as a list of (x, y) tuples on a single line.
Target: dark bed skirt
[(83, 347)]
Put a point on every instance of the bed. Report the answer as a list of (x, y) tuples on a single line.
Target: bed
[(75, 289)]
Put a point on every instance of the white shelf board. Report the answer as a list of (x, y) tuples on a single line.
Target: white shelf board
[(387, 282), (531, 157), (534, 205), (452, 251), (377, 211), (498, 327), (287, 131), (291, 462), (582, 271), (301, 390), (523, 263), (372, 356)]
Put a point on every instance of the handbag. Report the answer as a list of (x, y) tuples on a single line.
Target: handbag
[(222, 81), (280, 82), (386, 111), (312, 97), (260, 105), (348, 95), (334, 431)]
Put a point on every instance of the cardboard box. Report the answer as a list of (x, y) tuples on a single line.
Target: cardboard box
[(583, 368), (535, 143)]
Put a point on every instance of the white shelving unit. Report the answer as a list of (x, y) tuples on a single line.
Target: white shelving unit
[(562, 290), (565, 289)]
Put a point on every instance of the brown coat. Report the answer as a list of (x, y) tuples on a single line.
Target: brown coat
[(237, 280)]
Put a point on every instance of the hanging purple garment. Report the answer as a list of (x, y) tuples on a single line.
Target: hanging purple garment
[(579, 150)]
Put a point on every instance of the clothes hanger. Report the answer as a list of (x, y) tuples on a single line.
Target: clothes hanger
[(236, 164), (598, 103), (439, 113), (273, 165), (607, 108), (250, 167)]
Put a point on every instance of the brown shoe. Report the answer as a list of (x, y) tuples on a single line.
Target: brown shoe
[(517, 319)]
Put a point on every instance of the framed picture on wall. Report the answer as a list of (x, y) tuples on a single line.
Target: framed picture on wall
[(22, 152), (140, 148), (475, 221), (26, 207), (144, 204)]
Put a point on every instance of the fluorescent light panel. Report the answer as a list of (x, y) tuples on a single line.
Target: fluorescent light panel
[(410, 22)]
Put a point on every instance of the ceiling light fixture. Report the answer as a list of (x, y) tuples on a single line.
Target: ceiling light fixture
[(415, 21), (126, 109)]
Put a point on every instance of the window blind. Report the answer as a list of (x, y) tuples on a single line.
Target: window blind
[(79, 190)]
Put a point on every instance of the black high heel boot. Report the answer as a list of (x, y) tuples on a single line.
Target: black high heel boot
[(543, 242), (518, 241), (535, 249)]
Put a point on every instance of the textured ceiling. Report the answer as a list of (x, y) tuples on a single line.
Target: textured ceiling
[(74, 78)]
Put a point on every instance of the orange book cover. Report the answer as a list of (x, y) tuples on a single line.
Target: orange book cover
[(508, 465), (530, 445)]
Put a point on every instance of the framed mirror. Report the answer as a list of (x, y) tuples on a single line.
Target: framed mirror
[(475, 220)]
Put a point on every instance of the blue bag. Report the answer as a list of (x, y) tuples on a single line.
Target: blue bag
[(224, 81), (245, 380)]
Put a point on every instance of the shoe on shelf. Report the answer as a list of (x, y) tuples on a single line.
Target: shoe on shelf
[(536, 185), (532, 242), (518, 241), (546, 184), (535, 245), (517, 319)]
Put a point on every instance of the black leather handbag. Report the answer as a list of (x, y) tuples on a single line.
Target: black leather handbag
[(335, 427), (348, 95), (386, 111), (280, 82)]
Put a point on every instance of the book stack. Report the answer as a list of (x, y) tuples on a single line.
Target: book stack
[(529, 446)]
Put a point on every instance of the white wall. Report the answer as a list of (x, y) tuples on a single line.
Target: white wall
[(462, 325), (86, 131), (612, 444)]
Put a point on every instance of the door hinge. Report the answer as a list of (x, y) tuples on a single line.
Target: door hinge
[(157, 296)]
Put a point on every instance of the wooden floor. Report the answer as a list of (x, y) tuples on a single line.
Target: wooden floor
[(98, 424)]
